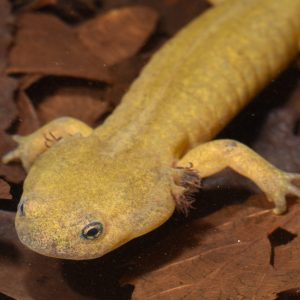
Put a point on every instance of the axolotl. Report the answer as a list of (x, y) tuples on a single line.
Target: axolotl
[(89, 191)]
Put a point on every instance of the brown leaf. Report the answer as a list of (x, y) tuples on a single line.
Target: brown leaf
[(8, 85), (223, 256), (6, 21), (28, 80), (56, 50), (8, 110), (28, 119), (82, 103), (72, 10), (174, 13), (5, 190), (13, 172), (119, 33), (38, 4)]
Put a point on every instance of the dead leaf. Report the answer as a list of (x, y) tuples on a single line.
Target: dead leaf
[(28, 80), (13, 172), (36, 4), (8, 85), (174, 13), (83, 103), (5, 190), (119, 33), (8, 110), (221, 258), (56, 50), (72, 10), (28, 119)]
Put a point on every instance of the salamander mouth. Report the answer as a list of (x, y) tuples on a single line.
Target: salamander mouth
[(38, 241), (61, 247), (49, 249)]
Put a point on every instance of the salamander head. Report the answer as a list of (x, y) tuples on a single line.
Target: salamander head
[(79, 203)]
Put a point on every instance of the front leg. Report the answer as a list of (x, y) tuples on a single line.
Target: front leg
[(212, 157), (32, 145)]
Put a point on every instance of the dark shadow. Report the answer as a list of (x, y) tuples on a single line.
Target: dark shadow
[(11, 205), (246, 125), (292, 294), (50, 84), (97, 279), (9, 252), (4, 297), (278, 237)]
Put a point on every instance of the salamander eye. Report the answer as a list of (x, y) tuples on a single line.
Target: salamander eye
[(22, 209), (92, 231)]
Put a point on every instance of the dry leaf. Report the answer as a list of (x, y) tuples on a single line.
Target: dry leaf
[(78, 102), (8, 85), (8, 110), (13, 172), (174, 13), (28, 80), (28, 119), (5, 190), (118, 34), (72, 10), (56, 50), (223, 256)]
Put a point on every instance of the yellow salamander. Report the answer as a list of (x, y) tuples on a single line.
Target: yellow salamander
[(90, 191)]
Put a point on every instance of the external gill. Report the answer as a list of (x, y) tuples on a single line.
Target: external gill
[(187, 182)]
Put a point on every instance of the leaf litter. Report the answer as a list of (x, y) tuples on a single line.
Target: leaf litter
[(57, 52), (229, 257), (224, 249), (136, 22)]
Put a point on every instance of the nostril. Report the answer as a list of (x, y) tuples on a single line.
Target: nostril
[(22, 209)]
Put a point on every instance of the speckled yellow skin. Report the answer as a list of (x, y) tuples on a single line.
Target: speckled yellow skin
[(125, 173)]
